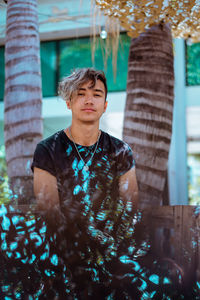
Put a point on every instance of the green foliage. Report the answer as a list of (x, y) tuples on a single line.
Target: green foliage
[(193, 64), (4, 188), (194, 179)]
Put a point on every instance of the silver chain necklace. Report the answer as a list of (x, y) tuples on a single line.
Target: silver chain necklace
[(86, 167)]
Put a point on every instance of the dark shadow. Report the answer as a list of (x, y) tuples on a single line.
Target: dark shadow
[(150, 254)]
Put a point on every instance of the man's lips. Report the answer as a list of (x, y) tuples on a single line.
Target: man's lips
[(88, 109)]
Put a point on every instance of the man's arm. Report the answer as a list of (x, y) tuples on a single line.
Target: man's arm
[(45, 190), (128, 187)]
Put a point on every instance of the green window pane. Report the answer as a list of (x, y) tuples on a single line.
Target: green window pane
[(2, 73), (76, 53), (193, 64), (48, 57)]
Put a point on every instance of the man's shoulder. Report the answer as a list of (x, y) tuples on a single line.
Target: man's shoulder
[(121, 152), (45, 153), (54, 138), (116, 142)]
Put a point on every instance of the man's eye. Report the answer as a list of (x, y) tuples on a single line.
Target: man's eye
[(97, 95), (80, 94)]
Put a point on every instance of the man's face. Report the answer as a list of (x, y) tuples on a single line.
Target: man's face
[(88, 104)]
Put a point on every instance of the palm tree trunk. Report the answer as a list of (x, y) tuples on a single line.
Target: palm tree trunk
[(22, 98), (149, 110)]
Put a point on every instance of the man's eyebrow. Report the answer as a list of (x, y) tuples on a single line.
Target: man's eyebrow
[(98, 90)]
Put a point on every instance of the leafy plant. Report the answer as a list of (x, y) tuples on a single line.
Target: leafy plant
[(4, 186)]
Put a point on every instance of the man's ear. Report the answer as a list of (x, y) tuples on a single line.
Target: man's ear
[(68, 102), (105, 106)]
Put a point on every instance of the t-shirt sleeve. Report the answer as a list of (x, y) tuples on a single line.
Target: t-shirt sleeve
[(125, 160), (43, 160)]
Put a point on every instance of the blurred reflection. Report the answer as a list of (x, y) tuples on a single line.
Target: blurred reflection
[(145, 255)]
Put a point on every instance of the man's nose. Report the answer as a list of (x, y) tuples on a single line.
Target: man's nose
[(89, 98)]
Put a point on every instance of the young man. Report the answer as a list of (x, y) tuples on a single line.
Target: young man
[(85, 183), (82, 169)]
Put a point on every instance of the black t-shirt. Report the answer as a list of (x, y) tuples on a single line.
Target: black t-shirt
[(95, 225), (58, 155), (94, 193)]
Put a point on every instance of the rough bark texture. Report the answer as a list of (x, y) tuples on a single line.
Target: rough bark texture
[(22, 98), (149, 110)]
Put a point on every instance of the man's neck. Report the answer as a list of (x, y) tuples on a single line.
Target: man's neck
[(83, 134)]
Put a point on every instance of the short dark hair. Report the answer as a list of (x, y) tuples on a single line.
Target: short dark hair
[(70, 84)]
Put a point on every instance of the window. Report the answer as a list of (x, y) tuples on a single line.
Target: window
[(76, 53), (48, 56), (59, 58), (193, 64)]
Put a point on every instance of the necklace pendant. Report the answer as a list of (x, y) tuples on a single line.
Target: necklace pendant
[(86, 168)]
